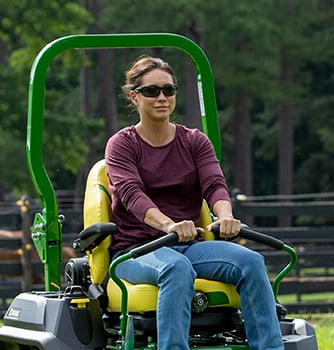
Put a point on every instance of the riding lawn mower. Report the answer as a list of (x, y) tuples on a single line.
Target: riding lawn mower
[(96, 309)]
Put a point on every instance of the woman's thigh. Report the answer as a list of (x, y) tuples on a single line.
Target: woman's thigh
[(223, 261), (150, 267)]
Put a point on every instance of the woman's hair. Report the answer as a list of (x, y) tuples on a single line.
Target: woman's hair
[(143, 65)]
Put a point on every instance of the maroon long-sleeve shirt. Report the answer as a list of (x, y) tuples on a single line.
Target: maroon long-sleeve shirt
[(174, 178)]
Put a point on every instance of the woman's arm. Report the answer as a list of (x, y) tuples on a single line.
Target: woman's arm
[(214, 187), (121, 160), (185, 229)]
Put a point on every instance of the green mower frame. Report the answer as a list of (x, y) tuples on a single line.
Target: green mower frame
[(67, 320)]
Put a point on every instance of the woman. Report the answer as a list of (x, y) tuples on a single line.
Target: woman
[(159, 172)]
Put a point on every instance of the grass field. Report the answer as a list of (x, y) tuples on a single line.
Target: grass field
[(325, 333), (324, 327), (323, 323), (291, 298)]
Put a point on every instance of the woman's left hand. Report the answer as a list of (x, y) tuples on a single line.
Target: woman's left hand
[(229, 227)]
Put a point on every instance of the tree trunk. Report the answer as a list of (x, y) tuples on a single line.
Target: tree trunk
[(242, 151), (285, 183), (192, 110), (87, 110), (3, 52), (286, 135), (106, 104)]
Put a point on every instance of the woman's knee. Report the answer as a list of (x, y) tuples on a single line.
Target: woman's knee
[(254, 267), (254, 258), (179, 269), (252, 261)]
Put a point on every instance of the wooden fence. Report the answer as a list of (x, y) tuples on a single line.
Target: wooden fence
[(20, 267), (314, 274), (311, 283)]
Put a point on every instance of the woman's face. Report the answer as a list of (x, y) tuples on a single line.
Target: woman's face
[(154, 108)]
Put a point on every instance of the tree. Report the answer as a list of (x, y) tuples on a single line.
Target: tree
[(146, 17), (271, 61), (300, 29), (245, 65), (25, 28)]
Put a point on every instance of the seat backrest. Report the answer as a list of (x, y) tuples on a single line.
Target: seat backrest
[(97, 209), (97, 201)]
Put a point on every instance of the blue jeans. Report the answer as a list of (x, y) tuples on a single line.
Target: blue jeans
[(174, 269)]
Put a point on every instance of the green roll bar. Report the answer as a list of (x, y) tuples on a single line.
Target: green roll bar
[(47, 226)]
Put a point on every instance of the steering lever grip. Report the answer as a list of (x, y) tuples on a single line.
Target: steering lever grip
[(255, 236), (170, 238)]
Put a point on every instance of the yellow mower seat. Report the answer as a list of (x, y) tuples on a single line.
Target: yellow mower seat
[(141, 297)]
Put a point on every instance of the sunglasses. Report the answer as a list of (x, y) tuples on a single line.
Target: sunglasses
[(154, 91)]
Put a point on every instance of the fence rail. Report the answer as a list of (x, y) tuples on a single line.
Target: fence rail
[(312, 281), (20, 267)]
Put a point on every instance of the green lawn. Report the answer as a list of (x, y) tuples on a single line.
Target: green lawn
[(324, 327), (285, 299), (323, 323)]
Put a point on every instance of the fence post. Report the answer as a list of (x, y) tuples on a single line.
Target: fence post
[(25, 251), (237, 197)]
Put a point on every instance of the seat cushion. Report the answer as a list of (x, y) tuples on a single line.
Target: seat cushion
[(143, 297)]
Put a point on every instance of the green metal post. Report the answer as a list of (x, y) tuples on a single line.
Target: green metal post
[(284, 272)]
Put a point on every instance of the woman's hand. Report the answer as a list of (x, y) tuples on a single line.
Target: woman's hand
[(229, 227), (185, 229)]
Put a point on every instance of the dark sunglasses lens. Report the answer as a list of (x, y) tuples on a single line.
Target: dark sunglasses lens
[(169, 90), (150, 91)]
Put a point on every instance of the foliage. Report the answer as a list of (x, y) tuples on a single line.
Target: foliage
[(245, 43), (25, 28)]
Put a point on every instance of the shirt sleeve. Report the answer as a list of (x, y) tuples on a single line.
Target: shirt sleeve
[(121, 161), (211, 177)]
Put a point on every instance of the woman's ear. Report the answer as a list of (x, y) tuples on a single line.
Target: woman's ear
[(133, 98)]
